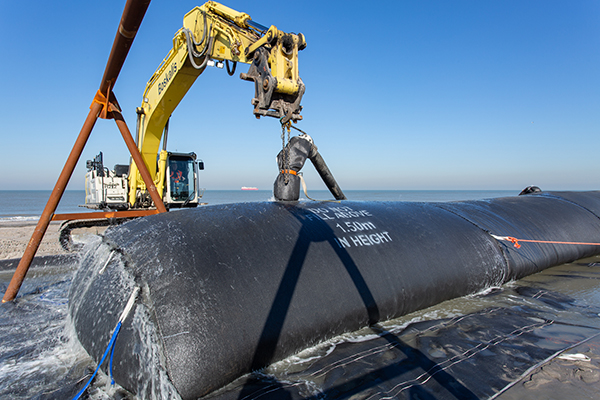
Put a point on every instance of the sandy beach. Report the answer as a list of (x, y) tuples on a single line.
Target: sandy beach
[(15, 235)]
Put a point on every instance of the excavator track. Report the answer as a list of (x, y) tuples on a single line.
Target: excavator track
[(67, 228)]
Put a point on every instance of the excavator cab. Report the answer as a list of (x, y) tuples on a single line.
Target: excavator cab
[(182, 183)]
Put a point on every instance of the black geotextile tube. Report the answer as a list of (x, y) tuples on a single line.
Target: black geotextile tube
[(232, 288)]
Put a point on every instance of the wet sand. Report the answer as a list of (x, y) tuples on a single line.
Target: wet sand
[(15, 235), (574, 374)]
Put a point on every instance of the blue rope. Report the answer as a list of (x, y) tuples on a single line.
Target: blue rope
[(111, 344), (111, 348), (112, 352)]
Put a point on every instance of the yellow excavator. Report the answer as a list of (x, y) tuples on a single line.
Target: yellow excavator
[(212, 35)]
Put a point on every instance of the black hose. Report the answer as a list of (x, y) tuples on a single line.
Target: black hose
[(192, 52), (326, 175), (230, 72)]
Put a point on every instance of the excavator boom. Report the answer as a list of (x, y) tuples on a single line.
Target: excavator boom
[(216, 33)]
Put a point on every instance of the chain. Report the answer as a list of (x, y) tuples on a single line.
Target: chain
[(287, 166), (285, 149)]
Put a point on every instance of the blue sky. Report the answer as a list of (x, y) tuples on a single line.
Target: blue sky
[(399, 95)]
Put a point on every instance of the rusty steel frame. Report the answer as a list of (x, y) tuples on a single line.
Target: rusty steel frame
[(131, 19), (104, 214)]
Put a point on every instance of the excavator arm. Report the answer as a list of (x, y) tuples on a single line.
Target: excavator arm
[(213, 32)]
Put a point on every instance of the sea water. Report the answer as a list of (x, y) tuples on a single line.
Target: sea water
[(436, 350), (29, 204)]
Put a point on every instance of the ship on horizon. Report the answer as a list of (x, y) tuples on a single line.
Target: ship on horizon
[(249, 188)]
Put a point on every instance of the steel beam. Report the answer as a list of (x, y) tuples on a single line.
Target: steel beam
[(55, 196), (131, 20)]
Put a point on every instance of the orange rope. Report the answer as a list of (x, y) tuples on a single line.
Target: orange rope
[(516, 241)]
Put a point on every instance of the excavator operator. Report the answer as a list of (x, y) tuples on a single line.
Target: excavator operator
[(178, 175)]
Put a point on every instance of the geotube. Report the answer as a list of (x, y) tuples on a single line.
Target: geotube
[(232, 288)]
